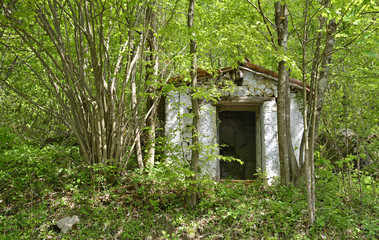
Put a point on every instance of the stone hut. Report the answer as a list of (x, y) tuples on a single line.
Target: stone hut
[(241, 124)]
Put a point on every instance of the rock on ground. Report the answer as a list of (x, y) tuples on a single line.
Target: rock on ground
[(66, 223)]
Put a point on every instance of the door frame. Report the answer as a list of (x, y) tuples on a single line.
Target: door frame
[(253, 104)]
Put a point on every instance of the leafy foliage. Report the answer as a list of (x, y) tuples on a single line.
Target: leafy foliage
[(41, 185)]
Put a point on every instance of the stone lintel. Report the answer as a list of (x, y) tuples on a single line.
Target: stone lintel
[(235, 101)]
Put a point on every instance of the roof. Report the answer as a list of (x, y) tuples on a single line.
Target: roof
[(204, 74), (263, 70)]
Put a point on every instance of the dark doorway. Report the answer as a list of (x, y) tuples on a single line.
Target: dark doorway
[(237, 131)]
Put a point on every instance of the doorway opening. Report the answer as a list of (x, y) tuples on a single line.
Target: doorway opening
[(237, 138)]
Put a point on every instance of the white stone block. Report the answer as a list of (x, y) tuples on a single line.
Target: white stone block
[(240, 91), (269, 92), (208, 138), (262, 86), (250, 83)]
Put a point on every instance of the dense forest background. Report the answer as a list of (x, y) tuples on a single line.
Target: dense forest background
[(80, 85)]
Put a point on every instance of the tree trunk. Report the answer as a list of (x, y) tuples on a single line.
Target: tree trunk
[(151, 76), (325, 66), (319, 82), (281, 22), (321, 85), (195, 105), (136, 125), (307, 152)]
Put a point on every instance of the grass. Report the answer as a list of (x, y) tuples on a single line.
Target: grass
[(39, 186)]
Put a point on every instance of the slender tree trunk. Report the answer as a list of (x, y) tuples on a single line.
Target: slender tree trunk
[(151, 124), (325, 68), (319, 84), (359, 167), (195, 104), (309, 161), (307, 151), (136, 125), (151, 76), (281, 21), (137, 134)]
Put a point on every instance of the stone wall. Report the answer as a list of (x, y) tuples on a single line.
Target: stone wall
[(270, 135), (270, 148), (177, 122), (253, 85), (208, 140), (178, 134)]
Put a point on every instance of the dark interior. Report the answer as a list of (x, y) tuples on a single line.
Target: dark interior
[(237, 131)]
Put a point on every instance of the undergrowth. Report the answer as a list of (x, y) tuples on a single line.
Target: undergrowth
[(39, 186)]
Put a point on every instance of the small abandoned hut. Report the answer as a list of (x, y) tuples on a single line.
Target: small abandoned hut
[(241, 124)]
